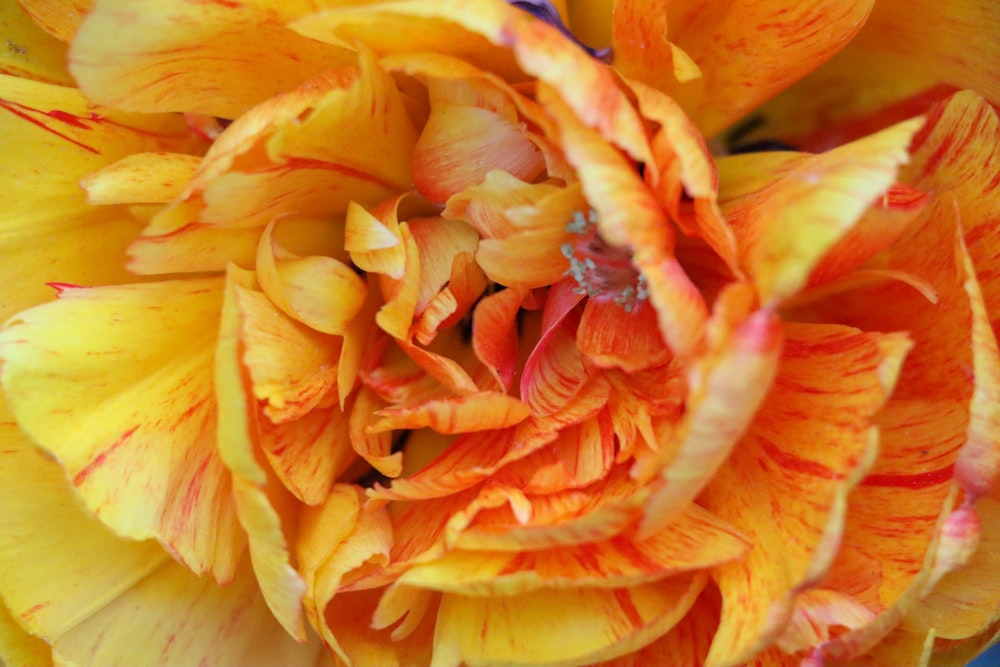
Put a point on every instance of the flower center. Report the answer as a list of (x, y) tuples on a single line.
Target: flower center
[(601, 270)]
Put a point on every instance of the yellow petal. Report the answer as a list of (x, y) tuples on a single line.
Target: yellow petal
[(48, 232), (302, 286), (141, 178), (30, 52), (116, 383), (592, 624), (89, 601), (179, 56), (60, 18), (18, 648), (334, 540), (46, 587), (784, 230)]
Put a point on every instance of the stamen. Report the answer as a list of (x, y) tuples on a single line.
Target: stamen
[(600, 270)]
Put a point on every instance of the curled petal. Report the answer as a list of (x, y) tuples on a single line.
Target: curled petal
[(476, 412)]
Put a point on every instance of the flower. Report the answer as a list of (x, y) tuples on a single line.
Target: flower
[(412, 333)]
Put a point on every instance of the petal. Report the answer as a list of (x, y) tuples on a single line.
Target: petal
[(20, 649), (374, 239), (682, 167), (697, 540), (469, 460), (611, 337), (194, 248), (554, 373), (727, 389), (46, 587), (487, 206), (334, 540), (90, 601), (785, 229), (31, 53), (302, 286), (60, 18), (141, 178), (494, 333), (460, 144), (936, 408), (813, 439), (188, 56), (260, 501), (483, 411), (592, 624), (789, 40), (439, 242), (962, 603), (48, 232), (128, 410), (957, 153)]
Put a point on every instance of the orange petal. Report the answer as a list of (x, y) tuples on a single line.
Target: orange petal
[(611, 337), (48, 232), (439, 243), (374, 239), (783, 51), (554, 372), (582, 454), (483, 411), (683, 168), (155, 61), (31, 53), (487, 206), (727, 388), (957, 153), (494, 333), (812, 440), (939, 404), (504, 519), (116, 383), (469, 460), (592, 624)]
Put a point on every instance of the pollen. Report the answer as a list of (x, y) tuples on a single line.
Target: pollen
[(601, 271)]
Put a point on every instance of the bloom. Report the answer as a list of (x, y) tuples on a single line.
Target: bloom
[(395, 332)]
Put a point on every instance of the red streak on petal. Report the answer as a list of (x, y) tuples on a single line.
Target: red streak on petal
[(62, 287), (82, 476), (918, 481), (628, 607), (67, 118), (30, 613), (10, 106), (294, 163), (796, 464)]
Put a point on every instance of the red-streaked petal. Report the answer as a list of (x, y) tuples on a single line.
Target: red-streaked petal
[(155, 60), (116, 382), (483, 411), (727, 389), (610, 337), (785, 229), (593, 624), (786, 484), (141, 178)]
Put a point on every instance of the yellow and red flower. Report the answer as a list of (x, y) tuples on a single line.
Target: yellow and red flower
[(409, 332)]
